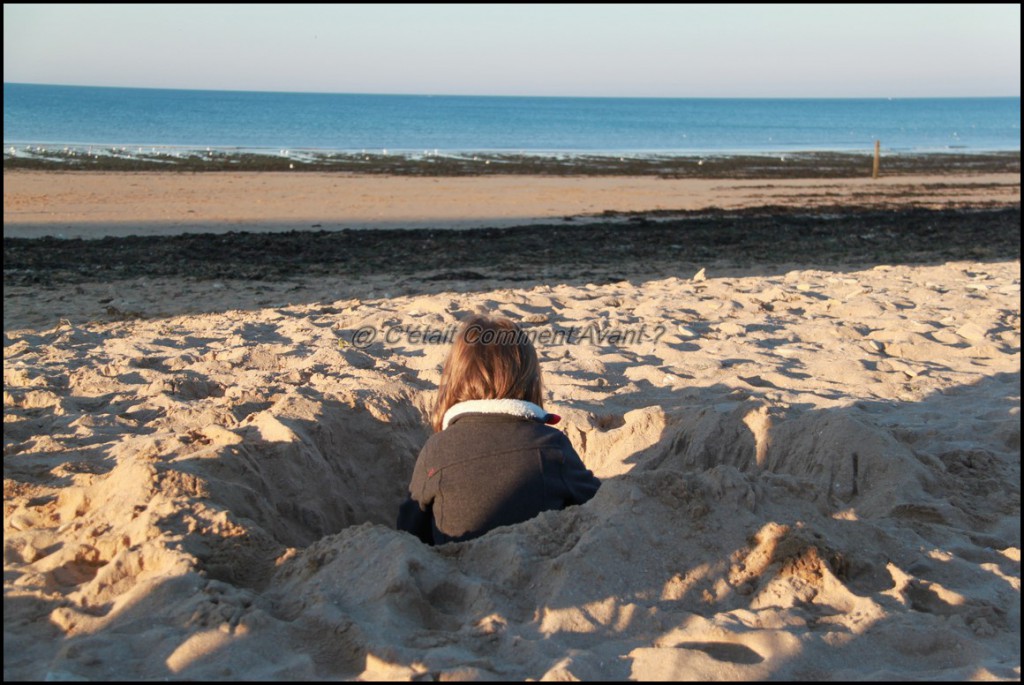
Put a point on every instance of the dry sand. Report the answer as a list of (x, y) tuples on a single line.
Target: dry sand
[(808, 474)]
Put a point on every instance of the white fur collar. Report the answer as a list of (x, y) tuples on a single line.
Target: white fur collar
[(521, 408)]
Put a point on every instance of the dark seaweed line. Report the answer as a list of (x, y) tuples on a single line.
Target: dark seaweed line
[(745, 238)]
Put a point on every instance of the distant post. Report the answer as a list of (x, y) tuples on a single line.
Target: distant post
[(874, 169)]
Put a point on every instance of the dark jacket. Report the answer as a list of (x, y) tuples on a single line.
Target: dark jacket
[(490, 470)]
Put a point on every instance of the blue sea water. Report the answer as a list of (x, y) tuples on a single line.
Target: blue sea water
[(414, 124)]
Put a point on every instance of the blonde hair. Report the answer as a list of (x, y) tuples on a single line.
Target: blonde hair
[(490, 359)]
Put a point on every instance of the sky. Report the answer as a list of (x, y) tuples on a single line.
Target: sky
[(638, 50)]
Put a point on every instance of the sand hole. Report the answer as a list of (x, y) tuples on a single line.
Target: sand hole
[(295, 473)]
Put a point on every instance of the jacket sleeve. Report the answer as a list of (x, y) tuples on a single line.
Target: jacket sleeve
[(580, 481), (412, 518), (416, 515)]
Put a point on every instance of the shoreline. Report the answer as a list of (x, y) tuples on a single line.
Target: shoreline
[(711, 164)]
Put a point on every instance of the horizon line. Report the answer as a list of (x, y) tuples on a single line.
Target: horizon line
[(491, 95)]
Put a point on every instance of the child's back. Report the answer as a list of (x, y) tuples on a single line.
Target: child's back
[(492, 469), (494, 461)]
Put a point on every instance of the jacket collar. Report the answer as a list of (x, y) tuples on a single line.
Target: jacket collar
[(519, 408)]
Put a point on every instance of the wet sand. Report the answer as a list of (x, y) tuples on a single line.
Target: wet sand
[(93, 205)]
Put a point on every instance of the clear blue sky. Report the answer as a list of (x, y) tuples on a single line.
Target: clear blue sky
[(573, 50)]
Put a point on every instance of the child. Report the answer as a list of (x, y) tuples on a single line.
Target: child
[(493, 461)]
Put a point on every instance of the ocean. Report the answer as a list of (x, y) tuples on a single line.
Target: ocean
[(150, 120)]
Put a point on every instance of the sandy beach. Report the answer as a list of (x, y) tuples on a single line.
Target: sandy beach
[(802, 397), (116, 203)]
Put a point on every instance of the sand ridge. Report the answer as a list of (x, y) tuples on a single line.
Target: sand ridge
[(807, 475)]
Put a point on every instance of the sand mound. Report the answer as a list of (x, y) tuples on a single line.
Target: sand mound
[(826, 488)]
